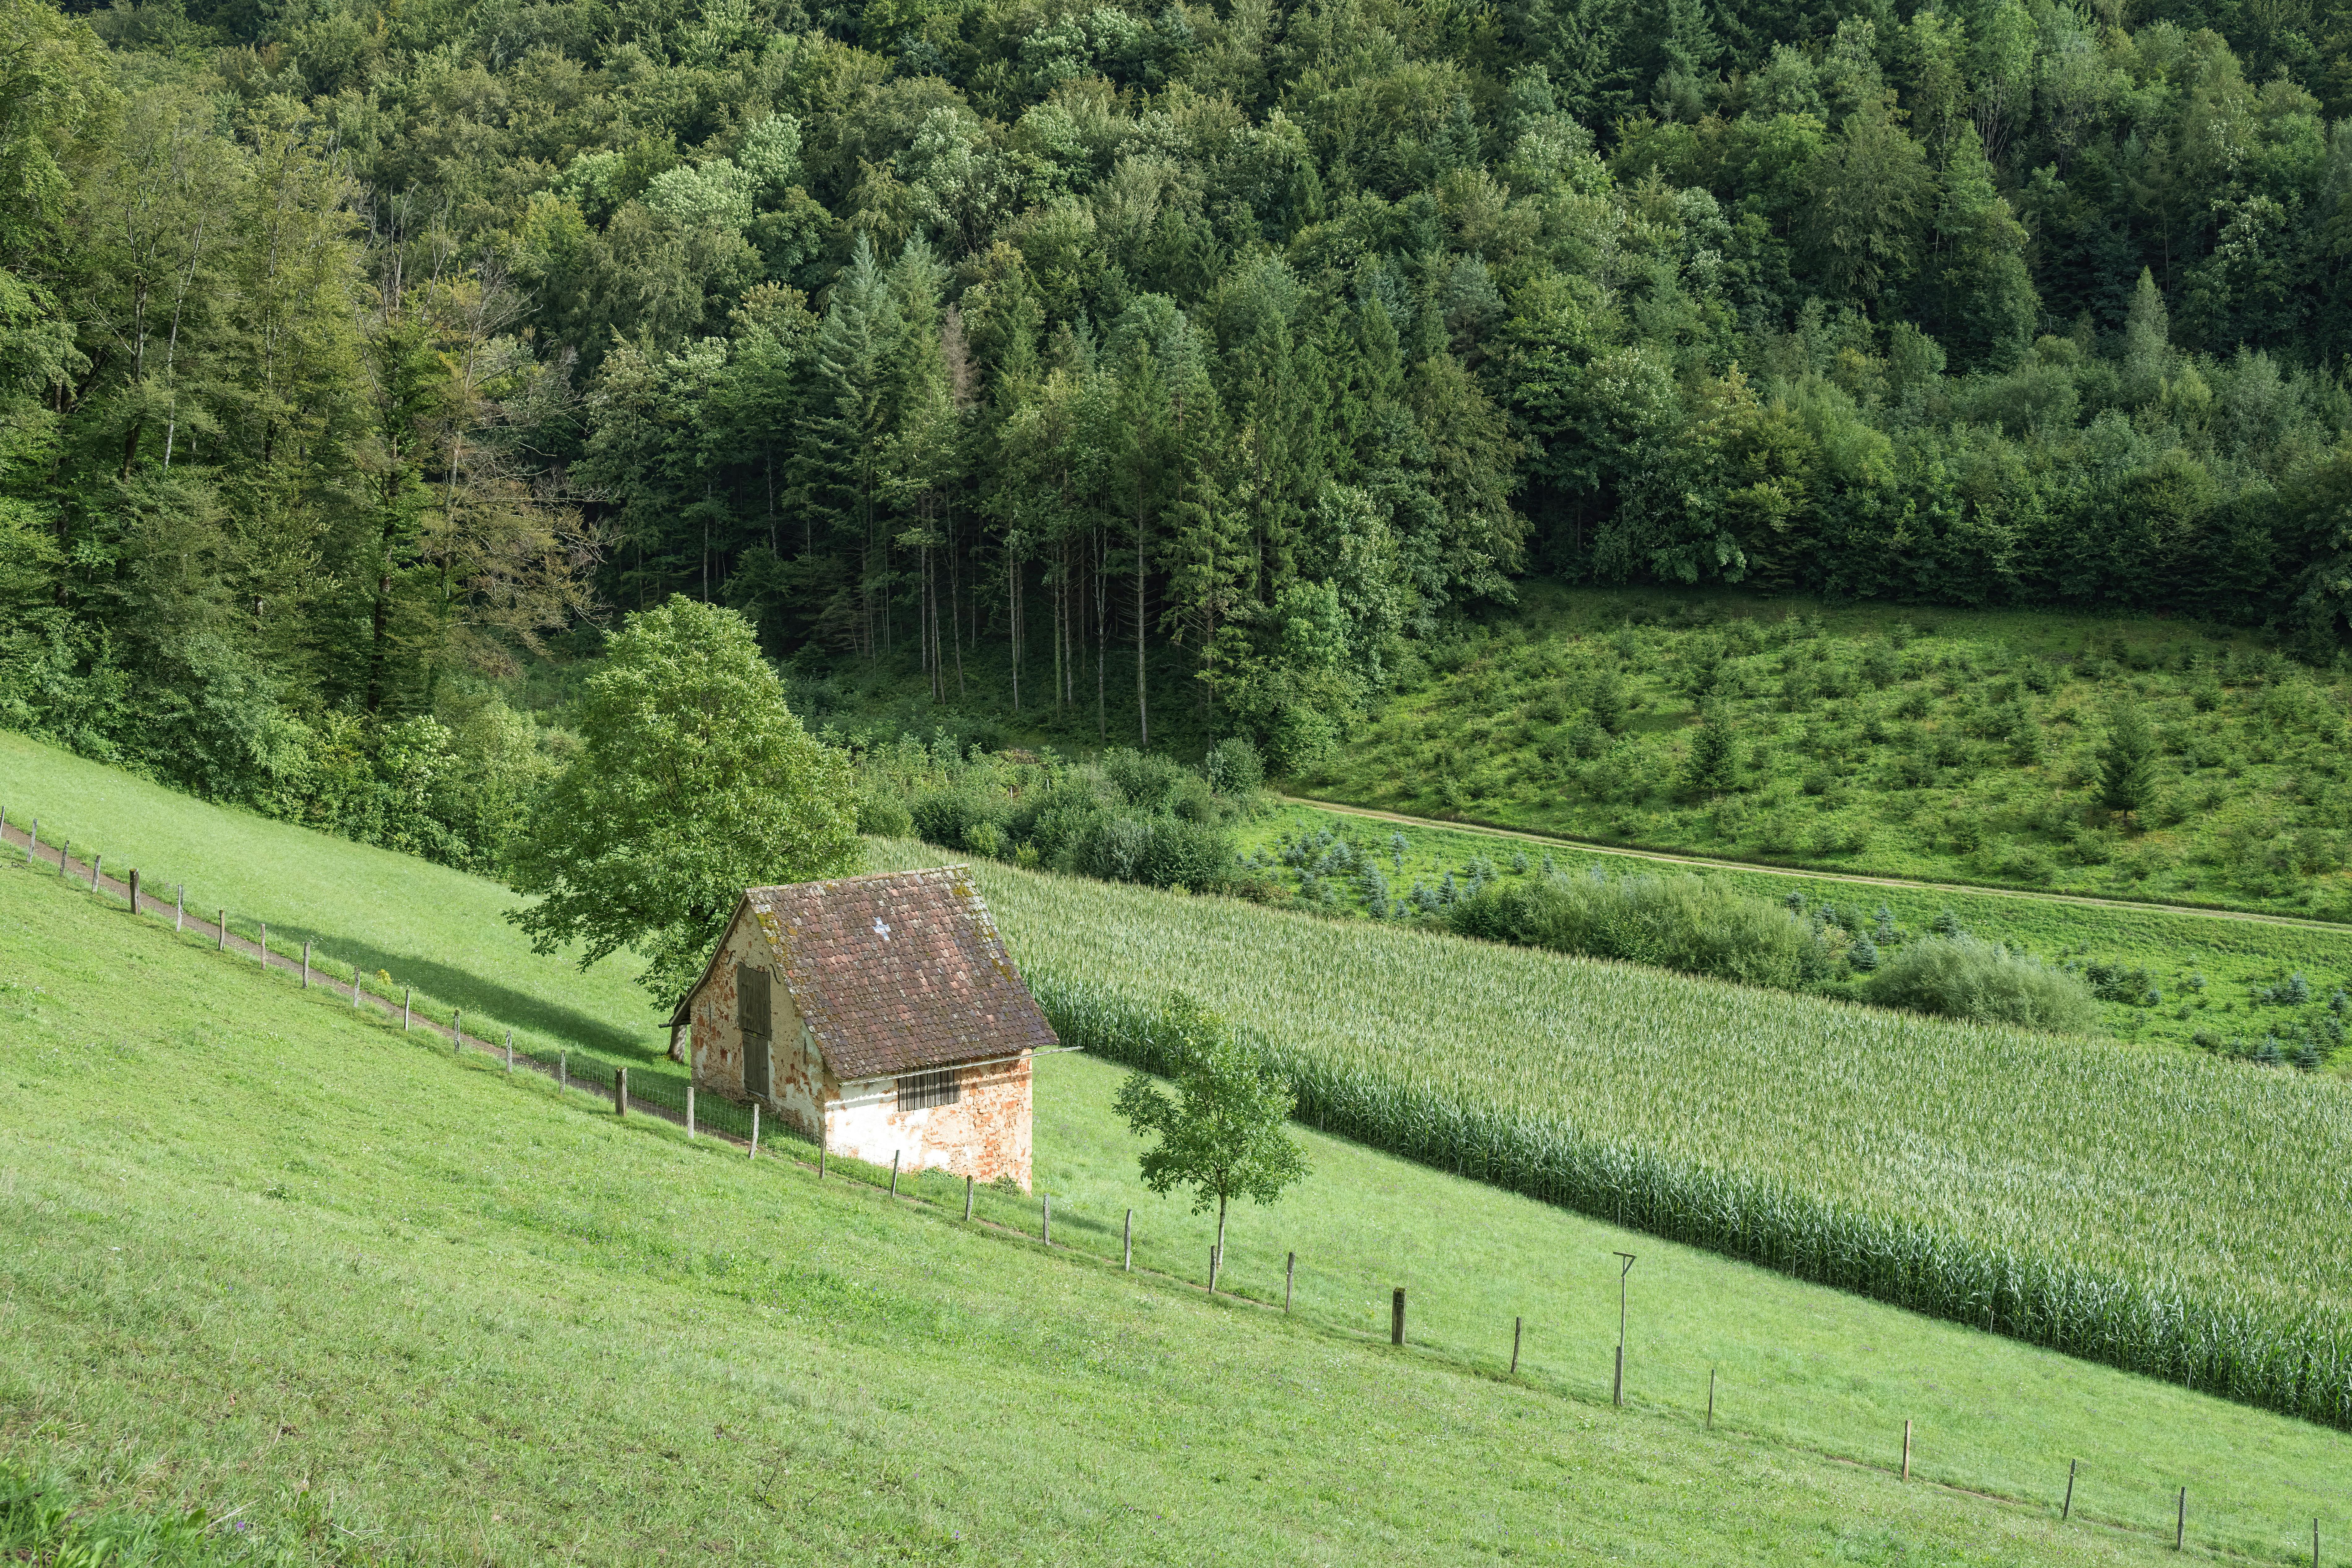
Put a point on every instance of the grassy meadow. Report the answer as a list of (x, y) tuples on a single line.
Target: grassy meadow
[(2212, 976), (1934, 744), (375, 1306), (427, 926)]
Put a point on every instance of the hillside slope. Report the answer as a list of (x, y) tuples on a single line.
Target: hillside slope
[(1908, 741), (383, 1307)]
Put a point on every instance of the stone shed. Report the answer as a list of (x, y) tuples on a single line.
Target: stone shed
[(879, 1013)]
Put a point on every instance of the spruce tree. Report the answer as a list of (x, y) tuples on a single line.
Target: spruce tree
[(2127, 762)]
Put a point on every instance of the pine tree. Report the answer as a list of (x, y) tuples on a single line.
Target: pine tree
[(2127, 762)]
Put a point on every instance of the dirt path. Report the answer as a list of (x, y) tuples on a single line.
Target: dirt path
[(2082, 899)]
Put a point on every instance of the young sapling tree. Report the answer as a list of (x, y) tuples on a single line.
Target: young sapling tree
[(1224, 1134)]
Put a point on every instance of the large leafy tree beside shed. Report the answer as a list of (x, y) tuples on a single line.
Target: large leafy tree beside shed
[(693, 780)]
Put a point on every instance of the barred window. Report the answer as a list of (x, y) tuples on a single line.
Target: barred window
[(919, 1090)]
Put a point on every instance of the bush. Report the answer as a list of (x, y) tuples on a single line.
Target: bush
[(1680, 923), (1234, 767), (885, 815), (1964, 978)]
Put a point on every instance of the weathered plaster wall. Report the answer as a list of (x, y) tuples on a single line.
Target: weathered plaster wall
[(796, 1076), (985, 1135)]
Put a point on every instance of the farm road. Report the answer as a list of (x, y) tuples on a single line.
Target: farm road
[(1533, 836)]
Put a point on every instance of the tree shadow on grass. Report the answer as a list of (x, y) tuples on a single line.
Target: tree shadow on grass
[(487, 1004)]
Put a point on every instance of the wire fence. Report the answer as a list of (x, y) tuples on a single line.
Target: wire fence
[(1001, 1206)]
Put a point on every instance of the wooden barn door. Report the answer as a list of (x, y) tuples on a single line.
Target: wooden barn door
[(752, 1007)]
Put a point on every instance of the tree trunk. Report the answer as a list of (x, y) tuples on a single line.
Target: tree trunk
[(1219, 1260), (1142, 711)]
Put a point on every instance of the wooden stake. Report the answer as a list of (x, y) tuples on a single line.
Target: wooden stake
[(2180, 1522), (224, 931), (179, 906), (1290, 1278), (407, 996), (1396, 1317), (2066, 1510), (64, 850), (563, 1074), (510, 1063), (894, 1173), (306, 963), (95, 862), (967, 1199), (1045, 1228), (1212, 1269), (1907, 1450), (456, 1031), (1515, 1325), (755, 1133), (134, 886), (822, 1143), (1126, 1245), (2315, 1543), (1710, 1399), (620, 1091), (689, 1109)]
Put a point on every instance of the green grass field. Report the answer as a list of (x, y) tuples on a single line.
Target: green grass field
[(1941, 745), (2098, 1168), (2215, 976), (378, 1306), (424, 925)]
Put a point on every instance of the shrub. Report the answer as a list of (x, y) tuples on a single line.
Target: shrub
[(1673, 922), (1964, 978), (885, 815), (1234, 767)]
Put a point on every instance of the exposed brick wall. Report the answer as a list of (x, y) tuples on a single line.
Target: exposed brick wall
[(985, 1135)]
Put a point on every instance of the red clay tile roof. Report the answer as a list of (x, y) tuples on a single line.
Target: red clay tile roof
[(901, 972)]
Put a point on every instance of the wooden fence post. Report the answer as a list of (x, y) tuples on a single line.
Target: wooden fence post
[(265, 945), (894, 1173), (1517, 1325), (620, 1091), (689, 1109), (179, 906), (563, 1068), (1907, 1450), (1046, 1224), (134, 888), (306, 963), (1213, 1267), (1290, 1278), (407, 996), (2066, 1510), (967, 1197), (355, 983), (224, 931), (1396, 1317), (65, 849), (1710, 1399), (823, 1145), (95, 862), (510, 1054), (1126, 1245), (2180, 1522), (755, 1131), (456, 1031)]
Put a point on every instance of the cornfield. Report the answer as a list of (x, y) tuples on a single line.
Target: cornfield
[(2160, 1211)]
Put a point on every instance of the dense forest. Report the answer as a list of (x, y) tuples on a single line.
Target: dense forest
[(1204, 357)]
